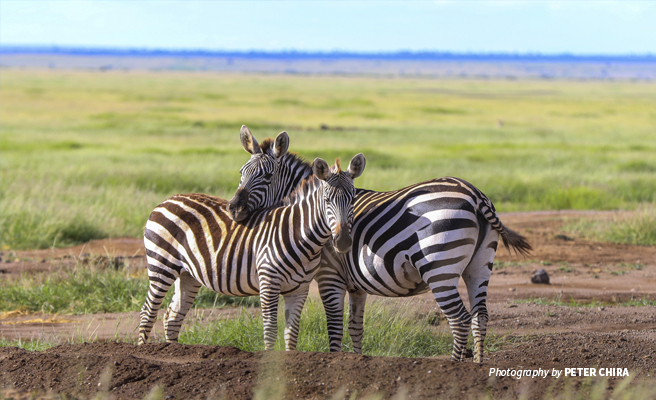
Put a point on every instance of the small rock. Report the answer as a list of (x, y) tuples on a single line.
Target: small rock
[(563, 237), (512, 289), (540, 277), (555, 359)]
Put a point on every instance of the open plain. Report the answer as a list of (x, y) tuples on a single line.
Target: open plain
[(86, 155)]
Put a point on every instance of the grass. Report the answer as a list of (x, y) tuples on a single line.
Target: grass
[(88, 289), (637, 302), (391, 330), (88, 155), (638, 228)]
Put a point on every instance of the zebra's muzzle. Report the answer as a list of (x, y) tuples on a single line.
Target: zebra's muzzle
[(238, 206), (342, 241)]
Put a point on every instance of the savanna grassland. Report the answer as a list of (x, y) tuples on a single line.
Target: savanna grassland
[(89, 154)]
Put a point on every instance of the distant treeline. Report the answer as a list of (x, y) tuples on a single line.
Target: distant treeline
[(332, 55)]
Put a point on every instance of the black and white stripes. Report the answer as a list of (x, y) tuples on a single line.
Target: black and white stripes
[(191, 240), (419, 238)]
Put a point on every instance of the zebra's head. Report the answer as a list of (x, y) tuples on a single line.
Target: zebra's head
[(339, 197), (258, 175)]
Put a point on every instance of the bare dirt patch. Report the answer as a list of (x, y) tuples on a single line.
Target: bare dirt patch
[(544, 336)]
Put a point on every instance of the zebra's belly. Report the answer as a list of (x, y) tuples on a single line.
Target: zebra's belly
[(228, 281)]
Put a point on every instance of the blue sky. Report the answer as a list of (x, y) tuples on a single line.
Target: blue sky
[(585, 27)]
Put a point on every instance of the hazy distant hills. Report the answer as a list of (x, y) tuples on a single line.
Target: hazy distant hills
[(437, 64)]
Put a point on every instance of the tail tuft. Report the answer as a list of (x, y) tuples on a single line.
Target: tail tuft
[(517, 242)]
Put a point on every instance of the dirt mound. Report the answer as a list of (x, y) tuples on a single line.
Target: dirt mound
[(179, 371)]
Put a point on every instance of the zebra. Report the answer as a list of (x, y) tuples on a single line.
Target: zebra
[(191, 241), (409, 241)]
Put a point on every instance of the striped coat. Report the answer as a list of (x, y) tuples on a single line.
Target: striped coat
[(412, 240), (409, 241), (191, 241)]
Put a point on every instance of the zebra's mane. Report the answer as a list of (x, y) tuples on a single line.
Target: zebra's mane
[(307, 186)]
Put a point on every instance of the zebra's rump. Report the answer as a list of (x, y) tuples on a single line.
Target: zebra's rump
[(397, 235)]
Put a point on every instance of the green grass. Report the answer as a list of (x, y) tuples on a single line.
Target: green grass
[(84, 290), (637, 302), (389, 330), (392, 329), (88, 155), (638, 228)]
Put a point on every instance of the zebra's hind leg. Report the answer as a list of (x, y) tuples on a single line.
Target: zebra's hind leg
[(443, 283), (186, 289), (160, 283), (357, 302), (332, 289), (293, 307), (477, 277)]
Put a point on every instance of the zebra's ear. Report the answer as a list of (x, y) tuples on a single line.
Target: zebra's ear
[(321, 169), (248, 141), (281, 145), (356, 166)]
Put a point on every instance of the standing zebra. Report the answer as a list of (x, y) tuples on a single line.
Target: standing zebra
[(409, 241), (419, 238), (191, 240)]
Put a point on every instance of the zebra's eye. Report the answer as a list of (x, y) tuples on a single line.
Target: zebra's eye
[(268, 176)]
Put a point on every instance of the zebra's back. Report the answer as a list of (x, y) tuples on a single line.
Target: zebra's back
[(396, 234)]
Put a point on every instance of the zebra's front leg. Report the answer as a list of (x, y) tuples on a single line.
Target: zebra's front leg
[(186, 289), (293, 307), (357, 302), (332, 289), (269, 296)]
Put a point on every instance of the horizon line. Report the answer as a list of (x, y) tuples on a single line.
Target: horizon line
[(419, 55)]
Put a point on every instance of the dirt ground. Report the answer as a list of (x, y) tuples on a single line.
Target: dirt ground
[(545, 336)]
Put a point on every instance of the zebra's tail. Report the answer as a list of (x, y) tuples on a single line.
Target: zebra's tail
[(511, 239), (514, 240)]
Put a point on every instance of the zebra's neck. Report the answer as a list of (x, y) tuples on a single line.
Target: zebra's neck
[(308, 200)]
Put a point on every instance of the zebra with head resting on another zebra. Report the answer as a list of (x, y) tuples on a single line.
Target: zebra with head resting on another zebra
[(190, 240), (409, 241)]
